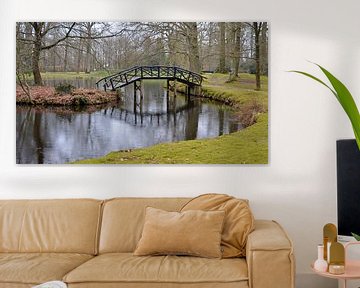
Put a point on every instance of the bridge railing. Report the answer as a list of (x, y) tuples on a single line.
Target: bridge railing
[(130, 75), (106, 81)]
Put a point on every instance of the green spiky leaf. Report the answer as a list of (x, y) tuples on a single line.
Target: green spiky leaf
[(344, 97), (356, 236)]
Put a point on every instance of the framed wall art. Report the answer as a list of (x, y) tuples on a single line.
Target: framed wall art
[(142, 92)]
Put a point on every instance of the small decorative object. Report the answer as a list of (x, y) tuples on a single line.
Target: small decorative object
[(320, 264), (336, 269), (337, 258), (330, 236), (341, 267)]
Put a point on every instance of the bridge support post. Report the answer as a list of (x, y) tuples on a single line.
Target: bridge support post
[(170, 86), (193, 90), (167, 95), (138, 87), (197, 90), (188, 90), (175, 88)]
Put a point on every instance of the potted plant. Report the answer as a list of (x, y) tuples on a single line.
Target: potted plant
[(345, 99)]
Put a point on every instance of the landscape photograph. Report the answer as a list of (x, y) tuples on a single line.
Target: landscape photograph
[(142, 92)]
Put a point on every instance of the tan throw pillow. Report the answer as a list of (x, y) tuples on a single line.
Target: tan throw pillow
[(196, 233), (239, 220)]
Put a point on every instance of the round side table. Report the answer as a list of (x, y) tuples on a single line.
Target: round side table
[(352, 269)]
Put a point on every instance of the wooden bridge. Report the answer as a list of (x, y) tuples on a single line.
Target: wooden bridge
[(138, 73)]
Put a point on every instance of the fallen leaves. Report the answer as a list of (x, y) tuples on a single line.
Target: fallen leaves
[(46, 95)]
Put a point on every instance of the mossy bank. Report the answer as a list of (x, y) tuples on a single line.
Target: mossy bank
[(248, 146)]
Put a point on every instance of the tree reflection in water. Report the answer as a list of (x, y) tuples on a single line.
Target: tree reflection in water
[(60, 135)]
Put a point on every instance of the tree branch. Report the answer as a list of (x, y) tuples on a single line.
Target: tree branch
[(60, 40)]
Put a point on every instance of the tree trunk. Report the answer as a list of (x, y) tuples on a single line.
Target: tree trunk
[(194, 56), (257, 28), (78, 64), (66, 58), (88, 47), (36, 55), (231, 49), (222, 64), (234, 46), (237, 49), (35, 64), (264, 49), (87, 56), (54, 60)]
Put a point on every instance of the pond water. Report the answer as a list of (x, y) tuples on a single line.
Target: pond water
[(61, 135)]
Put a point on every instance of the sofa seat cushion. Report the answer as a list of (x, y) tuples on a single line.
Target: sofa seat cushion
[(36, 268), (127, 268)]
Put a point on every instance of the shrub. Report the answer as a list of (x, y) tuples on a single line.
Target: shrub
[(64, 88), (80, 101), (249, 113)]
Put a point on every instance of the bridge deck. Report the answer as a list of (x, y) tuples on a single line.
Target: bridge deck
[(128, 76)]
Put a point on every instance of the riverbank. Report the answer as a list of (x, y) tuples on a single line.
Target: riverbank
[(45, 95), (248, 146), (235, 93)]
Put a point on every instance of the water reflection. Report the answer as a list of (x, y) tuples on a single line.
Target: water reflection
[(60, 135)]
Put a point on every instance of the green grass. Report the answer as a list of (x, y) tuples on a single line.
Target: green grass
[(239, 92), (248, 146)]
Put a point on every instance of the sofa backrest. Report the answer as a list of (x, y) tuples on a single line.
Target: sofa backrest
[(123, 220), (67, 226)]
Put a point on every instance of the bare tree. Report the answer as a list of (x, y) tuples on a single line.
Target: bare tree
[(222, 50), (235, 49), (111, 46), (257, 30), (89, 27), (21, 66), (37, 41), (264, 49), (192, 40)]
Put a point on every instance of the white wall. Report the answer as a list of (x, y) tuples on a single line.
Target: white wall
[(297, 188)]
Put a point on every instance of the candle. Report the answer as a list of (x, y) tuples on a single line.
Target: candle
[(336, 269)]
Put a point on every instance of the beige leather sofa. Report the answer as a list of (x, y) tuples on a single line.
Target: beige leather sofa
[(89, 243)]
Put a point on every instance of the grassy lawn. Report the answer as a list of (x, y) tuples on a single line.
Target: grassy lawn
[(239, 92), (248, 146)]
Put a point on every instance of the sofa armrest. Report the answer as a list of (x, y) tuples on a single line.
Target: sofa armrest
[(269, 256)]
